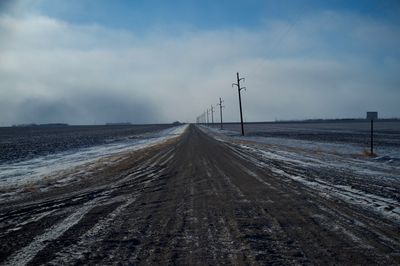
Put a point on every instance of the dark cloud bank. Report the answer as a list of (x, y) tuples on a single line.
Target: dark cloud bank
[(86, 109)]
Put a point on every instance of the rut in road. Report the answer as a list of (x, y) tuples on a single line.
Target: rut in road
[(197, 201)]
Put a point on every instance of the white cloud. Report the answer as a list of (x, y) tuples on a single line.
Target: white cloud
[(47, 65)]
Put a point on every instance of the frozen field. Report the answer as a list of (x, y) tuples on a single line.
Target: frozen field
[(342, 137), (17, 175), (386, 134), (22, 143), (338, 169)]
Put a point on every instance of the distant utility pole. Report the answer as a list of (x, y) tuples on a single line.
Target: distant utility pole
[(212, 115), (372, 116), (207, 117), (220, 109), (240, 98)]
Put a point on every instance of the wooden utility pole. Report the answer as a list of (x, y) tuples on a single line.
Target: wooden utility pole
[(240, 99), (372, 116), (372, 137), (220, 109), (212, 115)]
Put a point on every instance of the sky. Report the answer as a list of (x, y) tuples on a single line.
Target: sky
[(100, 61)]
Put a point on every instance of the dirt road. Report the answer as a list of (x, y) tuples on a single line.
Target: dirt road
[(192, 201)]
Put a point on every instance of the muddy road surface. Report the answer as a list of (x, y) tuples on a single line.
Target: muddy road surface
[(191, 201)]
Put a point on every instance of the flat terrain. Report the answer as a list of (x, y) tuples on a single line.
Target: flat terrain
[(386, 133), (23, 143), (194, 200)]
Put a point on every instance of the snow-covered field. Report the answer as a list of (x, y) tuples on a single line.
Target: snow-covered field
[(334, 170), (353, 136), (17, 176)]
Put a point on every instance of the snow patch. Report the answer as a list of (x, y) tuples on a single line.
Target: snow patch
[(15, 176)]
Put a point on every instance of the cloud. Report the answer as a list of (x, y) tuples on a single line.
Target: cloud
[(6, 6), (53, 71)]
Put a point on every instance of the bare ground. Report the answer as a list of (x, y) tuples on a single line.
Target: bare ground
[(192, 201)]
